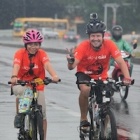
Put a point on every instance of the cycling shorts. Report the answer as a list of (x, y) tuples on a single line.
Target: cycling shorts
[(82, 77)]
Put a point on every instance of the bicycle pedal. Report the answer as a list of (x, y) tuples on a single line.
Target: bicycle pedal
[(85, 132), (20, 137)]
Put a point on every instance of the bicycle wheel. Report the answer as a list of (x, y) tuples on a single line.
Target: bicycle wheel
[(108, 129), (39, 117), (91, 117), (124, 92), (33, 127), (94, 125), (27, 128)]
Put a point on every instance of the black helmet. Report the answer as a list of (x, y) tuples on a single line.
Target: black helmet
[(117, 32), (95, 25)]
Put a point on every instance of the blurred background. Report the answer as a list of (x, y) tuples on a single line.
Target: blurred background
[(67, 19), (126, 12)]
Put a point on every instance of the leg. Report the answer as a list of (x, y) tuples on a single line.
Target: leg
[(41, 101), (83, 101), (84, 94), (45, 128), (18, 90)]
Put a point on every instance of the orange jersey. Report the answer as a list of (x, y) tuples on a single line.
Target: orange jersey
[(95, 63), (21, 58)]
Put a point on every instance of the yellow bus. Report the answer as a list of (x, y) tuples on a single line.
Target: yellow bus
[(20, 25)]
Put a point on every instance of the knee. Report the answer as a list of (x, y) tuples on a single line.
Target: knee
[(85, 91)]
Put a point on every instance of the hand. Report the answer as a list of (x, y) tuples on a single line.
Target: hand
[(70, 59), (70, 55), (127, 81), (71, 51), (55, 79), (14, 80)]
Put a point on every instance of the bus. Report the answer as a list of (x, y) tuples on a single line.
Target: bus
[(21, 25)]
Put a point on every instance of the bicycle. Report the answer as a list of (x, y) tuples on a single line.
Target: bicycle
[(31, 122), (103, 125)]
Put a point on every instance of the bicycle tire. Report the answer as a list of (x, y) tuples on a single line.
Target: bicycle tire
[(91, 117), (34, 127), (124, 94), (107, 133), (27, 127), (123, 89), (40, 125)]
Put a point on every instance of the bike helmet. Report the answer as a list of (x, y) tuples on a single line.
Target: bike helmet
[(95, 25), (32, 35), (117, 32)]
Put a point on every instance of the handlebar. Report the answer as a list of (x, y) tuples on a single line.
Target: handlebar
[(121, 82), (96, 82), (93, 82), (37, 81)]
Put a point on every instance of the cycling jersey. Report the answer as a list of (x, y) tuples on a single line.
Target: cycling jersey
[(95, 63), (22, 58)]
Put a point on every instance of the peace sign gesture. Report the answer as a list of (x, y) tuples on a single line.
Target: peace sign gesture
[(70, 55)]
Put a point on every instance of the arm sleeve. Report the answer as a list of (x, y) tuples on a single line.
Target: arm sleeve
[(44, 57), (18, 57)]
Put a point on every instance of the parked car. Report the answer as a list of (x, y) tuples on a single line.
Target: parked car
[(71, 36), (49, 33)]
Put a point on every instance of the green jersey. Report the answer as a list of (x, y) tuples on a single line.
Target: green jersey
[(123, 45)]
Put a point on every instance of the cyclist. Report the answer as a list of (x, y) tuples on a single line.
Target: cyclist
[(31, 62), (117, 32), (92, 57)]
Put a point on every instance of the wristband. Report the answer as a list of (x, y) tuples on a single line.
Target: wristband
[(13, 76)]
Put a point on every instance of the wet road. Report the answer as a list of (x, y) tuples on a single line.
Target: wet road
[(62, 101)]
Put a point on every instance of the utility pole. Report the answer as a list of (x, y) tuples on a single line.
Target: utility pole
[(114, 7)]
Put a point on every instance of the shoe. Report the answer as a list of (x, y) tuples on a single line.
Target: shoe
[(84, 127), (18, 120), (21, 137)]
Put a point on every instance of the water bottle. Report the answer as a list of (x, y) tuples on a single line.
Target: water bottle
[(25, 101)]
